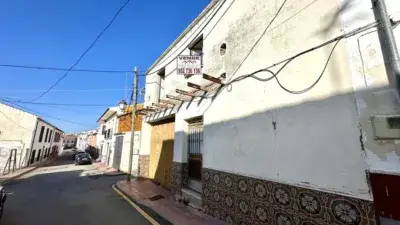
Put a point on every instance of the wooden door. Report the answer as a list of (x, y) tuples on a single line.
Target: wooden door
[(161, 152)]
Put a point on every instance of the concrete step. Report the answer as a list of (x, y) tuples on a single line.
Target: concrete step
[(192, 197)]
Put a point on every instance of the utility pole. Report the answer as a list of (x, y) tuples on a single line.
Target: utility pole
[(387, 41), (133, 118)]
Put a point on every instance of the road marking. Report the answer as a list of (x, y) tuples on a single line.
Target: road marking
[(147, 216)]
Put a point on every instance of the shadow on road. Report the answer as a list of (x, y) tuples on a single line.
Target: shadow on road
[(63, 194)]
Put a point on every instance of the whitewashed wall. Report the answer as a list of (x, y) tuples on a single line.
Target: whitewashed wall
[(45, 144), (375, 91), (257, 129), (124, 166), (16, 131)]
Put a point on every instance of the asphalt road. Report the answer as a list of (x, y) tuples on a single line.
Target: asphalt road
[(64, 194)]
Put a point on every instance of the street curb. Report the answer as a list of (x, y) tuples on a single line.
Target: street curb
[(24, 173), (152, 216)]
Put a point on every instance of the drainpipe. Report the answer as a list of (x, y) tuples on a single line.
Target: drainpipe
[(387, 41)]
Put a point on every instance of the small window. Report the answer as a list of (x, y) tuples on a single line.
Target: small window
[(197, 47), (51, 133), (103, 129), (47, 134), (222, 49), (41, 134), (161, 73), (38, 156)]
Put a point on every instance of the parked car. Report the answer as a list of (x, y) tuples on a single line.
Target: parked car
[(75, 153), (3, 197), (83, 158)]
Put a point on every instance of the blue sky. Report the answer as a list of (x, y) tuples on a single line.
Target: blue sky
[(55, 33)]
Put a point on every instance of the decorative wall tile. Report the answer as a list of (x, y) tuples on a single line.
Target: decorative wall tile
[(237, 199), (179, 176)]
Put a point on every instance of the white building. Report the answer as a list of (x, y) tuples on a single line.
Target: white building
[(260, 149), (33, 138), (83, 139), (114, 139)]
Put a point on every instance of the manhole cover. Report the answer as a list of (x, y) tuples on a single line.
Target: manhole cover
[(156, 197)]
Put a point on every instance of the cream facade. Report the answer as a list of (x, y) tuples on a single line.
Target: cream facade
[(21, 130), (261, 139)]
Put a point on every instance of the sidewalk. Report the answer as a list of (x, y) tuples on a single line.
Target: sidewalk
[(18, 173), (160, 200), (106, 170)]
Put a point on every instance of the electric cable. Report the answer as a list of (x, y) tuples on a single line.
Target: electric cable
[(259, 39), (63, 69), (43, 114), (84, 53), (50, 103), (12, 120)]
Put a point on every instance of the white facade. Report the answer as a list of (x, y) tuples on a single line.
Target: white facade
[(16, 130), (106, 141), (46, 142), (21, 130), (83, 141), (259, 130), (108, 127)]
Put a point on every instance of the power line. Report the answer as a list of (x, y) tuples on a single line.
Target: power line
[(13, 121), (65, 90), (68, 109), (259, 39), (46, 115), (64, 69), (286, 61), (60, 104), (84, 53)]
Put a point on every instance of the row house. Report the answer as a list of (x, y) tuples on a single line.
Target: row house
[(114, 137), (69, 141), (25, 138), (240, 124)]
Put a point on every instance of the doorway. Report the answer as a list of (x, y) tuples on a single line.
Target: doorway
[(32, 160), (161, 151), (195, 152), (119, 141)]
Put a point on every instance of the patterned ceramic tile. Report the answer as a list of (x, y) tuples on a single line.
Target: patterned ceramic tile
[(228, 182), (229, 201), (243, 207), (243, 221), (228, 217), (243, 186), (262, 213), (260, 190), (309, 204), (281, 218), (237, 199), (282, 197)]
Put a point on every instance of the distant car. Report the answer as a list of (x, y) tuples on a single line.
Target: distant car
[(82, 158), (3, 197)]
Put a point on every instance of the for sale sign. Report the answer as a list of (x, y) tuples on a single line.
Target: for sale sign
[(189, 65)]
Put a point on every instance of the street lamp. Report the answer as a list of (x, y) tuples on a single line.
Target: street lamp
[(122, 105)]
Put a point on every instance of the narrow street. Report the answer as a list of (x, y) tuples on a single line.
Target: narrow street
[(64, 194)]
